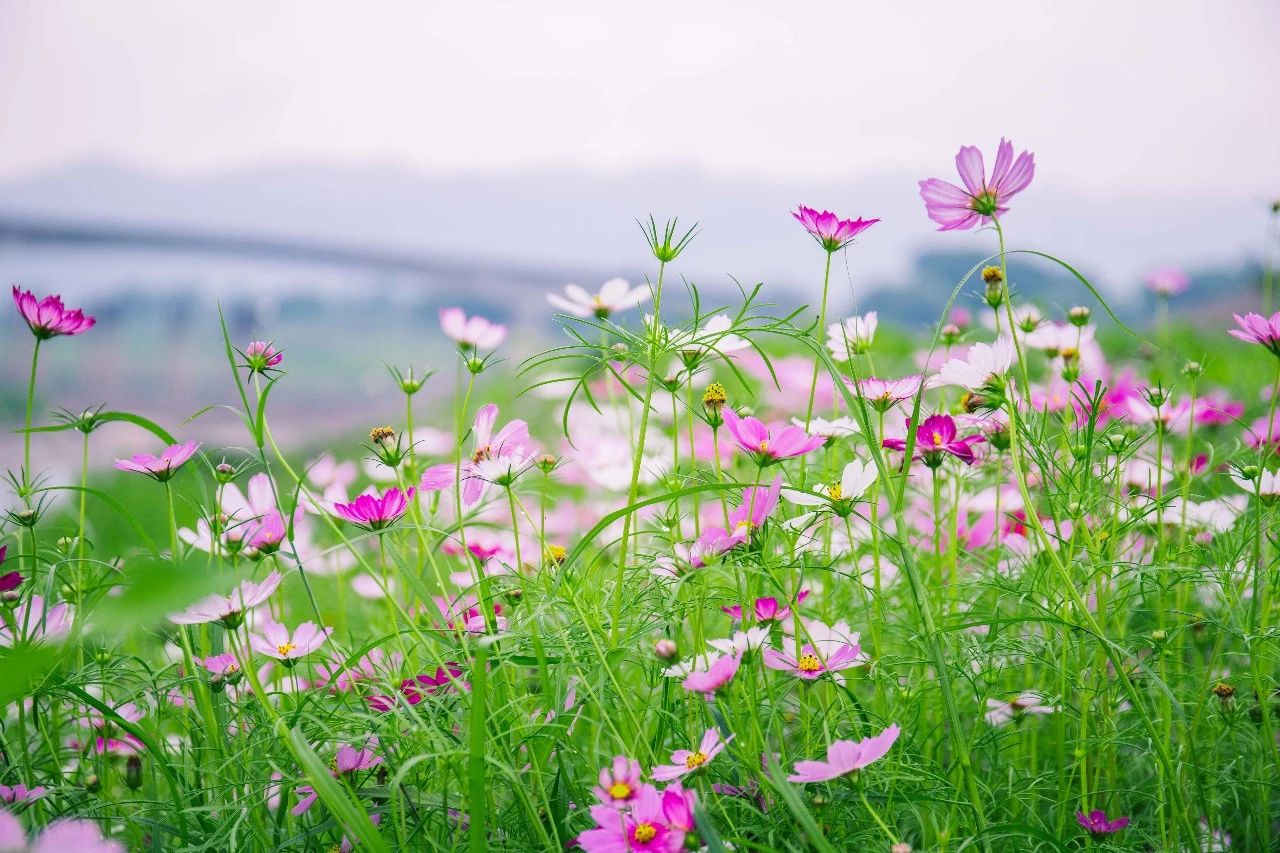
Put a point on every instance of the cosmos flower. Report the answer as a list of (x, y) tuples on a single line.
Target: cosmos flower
[(275, 641), (755, 438), (981, 200), (375, 513), (809, 665), (846, 756), (831, 232), (884, 394), (34, 623), (983, 367), (163, 467), (509, 445), (852, 337), (1256, 329), (766, 609), (758, 503), (619, 783), (475, 333), (62, 836), (686, 761), (1096, 823), (855, 479), (9, 581), (615, 295), (347, 761), (1024, 704), (714, 677), (48, 317), (937, 436), (260, 356), (642, 828), (229, 609), (20, 793), (1167, 281)]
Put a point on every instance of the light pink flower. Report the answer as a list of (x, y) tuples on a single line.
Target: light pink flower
[(229, 609), (62, 836), (619, 783), (983, 365), (884, 394), (810, 666), (717, 675), (1256, 329), (685, 761), (846, 756), (1024, 704), (48, 317), (831, 232), (474, 333), (1167, 281), (509, 445), (347, 761), (20, 793), (261, 355), (162, 467), (981, 200), (276, 641), (35, 624)]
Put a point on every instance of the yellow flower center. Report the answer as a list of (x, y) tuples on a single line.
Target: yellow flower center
[(764, 446), (809, 663), (645, 832), (285, 648), (836, 492), (937, 439), (620, 790), (695, 760)]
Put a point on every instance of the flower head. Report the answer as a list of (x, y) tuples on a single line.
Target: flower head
[(981, 199), (495, 454), (852, 337), (471, 333), (163, 467), (846, 756), (619, 783), (614, 295), (884, 394), (1096, 823), (1024, 704), (35, 623), (755, 438), (937, 437), (61, 836), (229, 609), (831, 232), (261, 356), (1256, 329), (275, 641), (982, 369), (1167, 281), (717, 675), (810, 665), (686, 761), (48, 317), (375, 513)]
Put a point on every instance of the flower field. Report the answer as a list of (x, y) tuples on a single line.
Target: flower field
[(707, 577)]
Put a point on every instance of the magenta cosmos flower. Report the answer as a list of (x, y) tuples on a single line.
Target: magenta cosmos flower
[(686, 761), (956, 209), (716, 676), (846, 756), (936, 438), (374, 513), (810, 666), (276, 641), (471, 333), (767, 609), (9, 581), (163, 467), (1256, 329), (229, 609), (1096, 823), (831, 232), (758, 503), (650, 825), (757, 439), (48, 317)]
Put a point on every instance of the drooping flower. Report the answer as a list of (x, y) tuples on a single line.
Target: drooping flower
[(852, 337), (1167, 281), (1256, 329), (471, 333), (1097, 824), (936, 437), (375, 513), (981, 199), (275, 641), (48, 317), (229, 609), (810, 665), (34, 623), (755, 438), (347, 761), (163, 467), (619, 783), (714, 677), (982, 368), (615, 295), (509, 445), (831, 232), (846, 756), (686, 761)]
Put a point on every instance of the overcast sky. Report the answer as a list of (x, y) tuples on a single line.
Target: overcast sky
[(1110, 95)]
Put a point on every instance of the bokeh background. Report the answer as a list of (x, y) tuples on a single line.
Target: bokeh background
[(334, 173)]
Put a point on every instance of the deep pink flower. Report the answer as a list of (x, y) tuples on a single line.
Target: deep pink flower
[(48, 317), (716, 676), (846, 756), (685, 761), (473, 333), (275, 641), (261, 355), (831, 232), (162, 467), (412, 690), (758, 503), (507, 448), (347, 761), (767, 609), (810, 666), (229, 609), (224, 664), (936, 437), (374, 513), (20, 793), (1256, 329), (755, 438), (981, 200), (1096, 823), (1217, 409), (643, 828), (9, 581)]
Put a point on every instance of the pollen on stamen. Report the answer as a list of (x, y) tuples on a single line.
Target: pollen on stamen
[(809, 663), (695, 760), (285, 648)]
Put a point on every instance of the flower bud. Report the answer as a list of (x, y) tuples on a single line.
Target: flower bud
[(1080, 452), (546, 463), (1192, 369), (475, 365), (666, 649), (1250, 472), (950, 334), (224, 472), (65, 544), (1079, 315), (995, 295), (133, 772), (1224, 691)]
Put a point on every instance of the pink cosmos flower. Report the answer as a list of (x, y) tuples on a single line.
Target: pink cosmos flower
[(62, 836), (20, 793), (755, 438), (981, 200), (339, 677), (508, 446), (615, 295), (643, 828), (1024, 704), (375, 513), (48, 317), (717, 675), (35, 624), (229, 609), (934, 438), (412, 690), (163, 467), (1096, 823), (810, 666), (261, 355), (684, 761), (474, 333), (224, 664), (619, 783), (1256, 329), (1217, 409), (846, 756), (884, 394), (1167, 281), (831, 232), (346, 762), (758, 503), (767, 609), (276, 641)]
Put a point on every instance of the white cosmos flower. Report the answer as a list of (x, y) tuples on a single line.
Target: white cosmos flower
[(615, 295), (982, 364), (856, 478), (853, 336), (742, 641), (838, 428)]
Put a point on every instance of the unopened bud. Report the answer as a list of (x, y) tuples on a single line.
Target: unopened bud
[(224, 472), (950, 334), (1224, 691), (1079, 315), (133, 772), (1192, 369), (995, 295), (1079, 451), (666, 649)]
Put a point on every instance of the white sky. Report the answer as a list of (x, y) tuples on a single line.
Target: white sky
[(1137, 95)]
